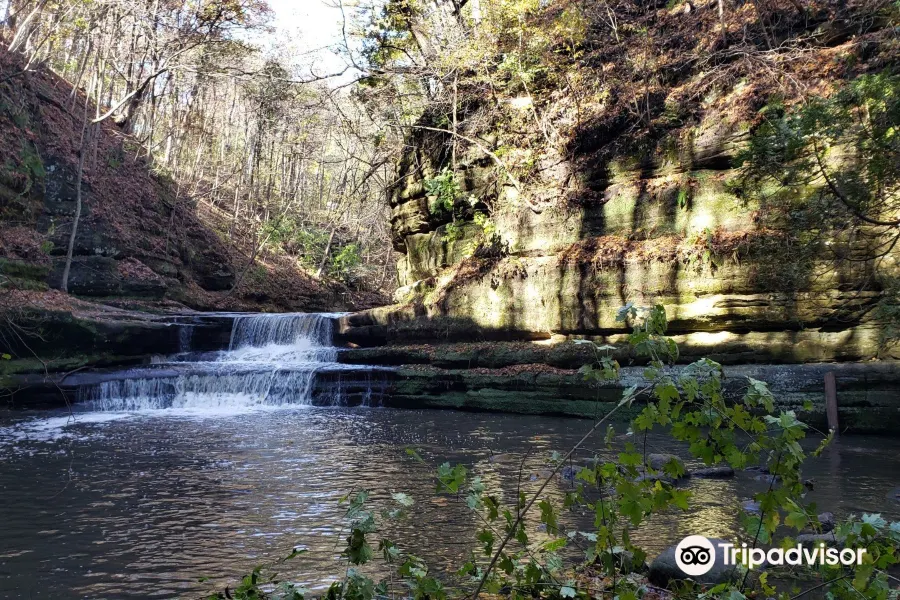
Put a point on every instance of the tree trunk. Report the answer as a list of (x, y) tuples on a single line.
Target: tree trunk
[(70, 251), (327, 250), (24, 28)]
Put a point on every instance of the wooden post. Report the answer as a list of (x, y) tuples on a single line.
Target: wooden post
[(831, 407)]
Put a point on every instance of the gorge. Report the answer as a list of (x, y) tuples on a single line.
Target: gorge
[(447, 299)]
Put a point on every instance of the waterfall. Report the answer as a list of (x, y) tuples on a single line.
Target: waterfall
[(281, 330), (272, 360), (185, 335)]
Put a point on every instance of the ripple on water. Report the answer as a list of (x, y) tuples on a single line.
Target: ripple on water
[(134, 505)]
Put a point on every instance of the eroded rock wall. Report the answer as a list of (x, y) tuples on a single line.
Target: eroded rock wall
[(667, 230)]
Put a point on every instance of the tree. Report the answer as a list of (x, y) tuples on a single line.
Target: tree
[(829, 169)]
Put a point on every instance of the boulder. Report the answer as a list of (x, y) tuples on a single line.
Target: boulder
[(664, 569), (101, 276), (662, 478), (827, 521), (757, 469), (768, 479), (713, 473), (659, 462)]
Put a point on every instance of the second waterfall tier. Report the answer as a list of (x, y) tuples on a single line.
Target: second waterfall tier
[(272, 360)]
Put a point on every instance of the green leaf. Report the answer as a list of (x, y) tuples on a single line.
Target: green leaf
[(357, 503), (875, 520), (680, 498), (557, 544), (753, 526), (450, 480), (411, 452), (548, 516), (797, 520), (628, 396), (626, 311), (486, 537)]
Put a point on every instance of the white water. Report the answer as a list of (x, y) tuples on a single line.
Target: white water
[(272, 361)]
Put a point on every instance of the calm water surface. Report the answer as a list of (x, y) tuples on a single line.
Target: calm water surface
[(145, 505)]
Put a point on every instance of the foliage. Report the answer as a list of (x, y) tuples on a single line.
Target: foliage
[(512, 559), (443, 190), (486, 223), (345, 262), (308, 243), (452, 232), (829, 170), (848, 144)]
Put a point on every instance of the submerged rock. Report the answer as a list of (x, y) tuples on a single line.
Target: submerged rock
[(569, 473), (713, 473), (658, 462), (658, 477), (664, 569), (757, 469), (769, 479)]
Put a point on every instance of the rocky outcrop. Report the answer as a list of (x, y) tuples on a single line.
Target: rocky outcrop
[(667, 230), (664, 570), (572, 203), (541, 378), (77, 344)]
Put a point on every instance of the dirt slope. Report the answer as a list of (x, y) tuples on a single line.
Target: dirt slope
[(138, 239)]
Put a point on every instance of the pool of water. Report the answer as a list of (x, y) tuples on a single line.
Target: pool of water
[(140, 505)]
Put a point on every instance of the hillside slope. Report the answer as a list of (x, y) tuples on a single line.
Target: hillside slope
[(139, 238)]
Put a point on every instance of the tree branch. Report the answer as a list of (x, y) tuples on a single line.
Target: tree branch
[(844, 200)]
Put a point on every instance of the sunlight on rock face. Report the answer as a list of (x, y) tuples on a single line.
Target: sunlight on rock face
[(707, 338), (520, 102)]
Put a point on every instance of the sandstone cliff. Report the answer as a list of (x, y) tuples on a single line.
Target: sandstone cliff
[(614, 202)]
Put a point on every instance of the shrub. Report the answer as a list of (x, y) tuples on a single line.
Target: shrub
[(345, 262), (443, 190)]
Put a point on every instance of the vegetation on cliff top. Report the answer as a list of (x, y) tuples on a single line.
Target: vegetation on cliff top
[(606, 134)]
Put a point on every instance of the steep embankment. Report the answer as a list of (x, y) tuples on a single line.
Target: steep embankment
[(140, 244), (593, 201), (613, 178)]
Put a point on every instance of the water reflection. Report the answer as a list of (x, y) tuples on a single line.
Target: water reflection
[(144, 506)]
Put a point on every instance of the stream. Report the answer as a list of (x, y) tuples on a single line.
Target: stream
[(175, 479)]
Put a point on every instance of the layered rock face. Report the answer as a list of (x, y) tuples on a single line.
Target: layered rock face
[(614, 177), (135, 237), (669, 232), (496, 332), (597, 186)]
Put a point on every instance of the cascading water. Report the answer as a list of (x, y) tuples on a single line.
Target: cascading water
[(272, 360)]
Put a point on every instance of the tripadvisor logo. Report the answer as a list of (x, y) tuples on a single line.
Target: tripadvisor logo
[(695, 555)]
